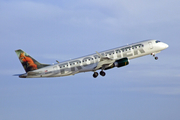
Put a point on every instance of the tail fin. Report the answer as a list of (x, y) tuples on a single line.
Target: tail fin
[(28, 62)]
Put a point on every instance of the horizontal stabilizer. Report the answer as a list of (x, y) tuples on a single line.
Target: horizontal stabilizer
[(33, 73), (17, 74)]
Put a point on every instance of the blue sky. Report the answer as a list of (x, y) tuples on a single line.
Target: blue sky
[(62, 30)]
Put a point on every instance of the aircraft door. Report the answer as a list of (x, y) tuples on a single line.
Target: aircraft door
[(55, 69), (150, 45)]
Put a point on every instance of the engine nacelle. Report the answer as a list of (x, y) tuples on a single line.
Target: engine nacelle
[(119, 63)]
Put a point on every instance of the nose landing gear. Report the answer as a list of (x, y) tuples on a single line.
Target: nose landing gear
[(154, 55), (156, 58)]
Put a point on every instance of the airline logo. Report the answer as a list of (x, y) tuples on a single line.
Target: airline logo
[(120, 53)]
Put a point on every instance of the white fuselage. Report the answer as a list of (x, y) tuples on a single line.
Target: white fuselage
[(89, 62)]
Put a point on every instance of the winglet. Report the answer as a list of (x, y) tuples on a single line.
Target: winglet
[(99, 54), (103, 57)]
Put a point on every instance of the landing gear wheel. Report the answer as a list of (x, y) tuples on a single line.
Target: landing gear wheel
[(102, 73), (95, 74), (154, 55)]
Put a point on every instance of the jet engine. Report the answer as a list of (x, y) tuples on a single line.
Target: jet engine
[(119, 63)]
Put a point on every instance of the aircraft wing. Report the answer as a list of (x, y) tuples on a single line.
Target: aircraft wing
[(104, 62)]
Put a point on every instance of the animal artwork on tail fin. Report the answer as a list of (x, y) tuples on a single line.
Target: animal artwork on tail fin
[(28, 62)]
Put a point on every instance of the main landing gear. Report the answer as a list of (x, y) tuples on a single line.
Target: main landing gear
[(154, 55), (95, 74), (102, 73)]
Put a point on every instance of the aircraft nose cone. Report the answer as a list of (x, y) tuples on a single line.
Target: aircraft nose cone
[(166, 45)]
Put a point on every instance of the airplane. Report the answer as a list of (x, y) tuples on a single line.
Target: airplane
[(105, 60)]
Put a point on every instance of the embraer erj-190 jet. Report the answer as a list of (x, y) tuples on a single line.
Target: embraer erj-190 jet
[(117, 57)]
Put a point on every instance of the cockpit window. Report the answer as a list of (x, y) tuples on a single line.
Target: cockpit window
[(157, 41)]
